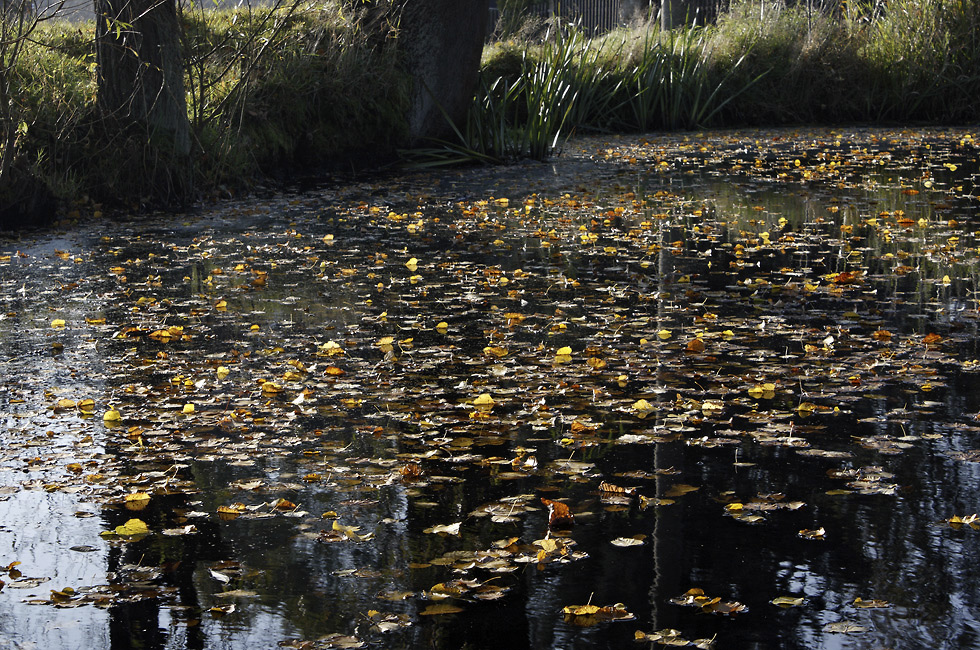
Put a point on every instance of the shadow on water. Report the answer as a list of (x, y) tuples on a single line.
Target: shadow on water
[(345, 407)]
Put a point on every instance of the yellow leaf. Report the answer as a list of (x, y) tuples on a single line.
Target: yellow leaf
[(188, 408), (222, 372), (271, 388), (330, 349), (132, 528), (874, 603), (412, 265), (58, 323), (112, 415), (227, 513), (136, 501), (642, 406), (484, 401), (663, 335), (565, 351), (64, 404), (136, 497)]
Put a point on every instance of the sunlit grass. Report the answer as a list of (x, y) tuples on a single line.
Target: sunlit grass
[(296, 85), (762, 62)]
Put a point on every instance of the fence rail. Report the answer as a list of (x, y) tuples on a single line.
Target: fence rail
[(591, 15)]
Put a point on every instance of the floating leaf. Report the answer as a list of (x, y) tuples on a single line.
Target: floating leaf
[(558, 513), (588, 615), (136, 500), (860, 603), (132, 528), (444, 529), (642, 408), (271, 388), (484, 401), (495, 351), (788, 601), (627, 541)]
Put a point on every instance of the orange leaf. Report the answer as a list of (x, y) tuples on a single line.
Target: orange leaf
[(695, 345), (558, 513)]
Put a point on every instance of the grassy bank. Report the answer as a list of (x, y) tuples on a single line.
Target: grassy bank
[(761, 63), (298, 86), (271, 92)]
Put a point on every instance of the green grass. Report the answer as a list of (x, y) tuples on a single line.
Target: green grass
[(760, 63), (301, 85), (270, 92)]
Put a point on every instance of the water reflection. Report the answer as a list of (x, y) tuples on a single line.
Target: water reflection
[(706, 250)]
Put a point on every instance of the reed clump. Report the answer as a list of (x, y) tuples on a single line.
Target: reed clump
[(760, 62), (296, 85)]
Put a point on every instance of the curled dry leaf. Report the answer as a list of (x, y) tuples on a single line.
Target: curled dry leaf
[(558, 513), (445, 529), (817, 533)]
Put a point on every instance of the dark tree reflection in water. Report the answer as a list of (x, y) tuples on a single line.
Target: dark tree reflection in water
[(745, 363)]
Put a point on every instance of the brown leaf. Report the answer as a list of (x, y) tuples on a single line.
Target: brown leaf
[(558, 513)]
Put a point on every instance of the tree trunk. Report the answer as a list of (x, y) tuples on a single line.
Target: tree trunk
[(141, 88), (442, 42), (679, 13)]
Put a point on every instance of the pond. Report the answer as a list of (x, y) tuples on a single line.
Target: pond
[(713, 390)]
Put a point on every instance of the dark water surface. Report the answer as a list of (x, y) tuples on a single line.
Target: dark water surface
[(703, 346)]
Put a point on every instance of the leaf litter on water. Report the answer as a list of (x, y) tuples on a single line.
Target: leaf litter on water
[(431, 364)]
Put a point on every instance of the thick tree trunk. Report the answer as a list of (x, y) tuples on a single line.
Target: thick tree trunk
[(441, 42), (141, 86)]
